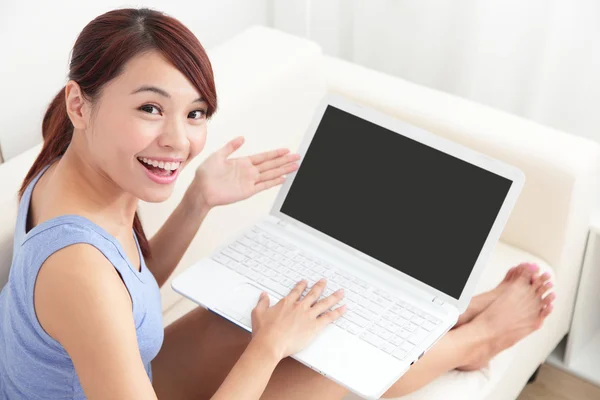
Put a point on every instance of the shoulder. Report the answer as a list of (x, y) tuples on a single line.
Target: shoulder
[(77, 285)]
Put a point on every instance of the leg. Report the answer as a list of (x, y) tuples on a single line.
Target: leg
[(200, 349), (516, 313), (465, 344), (481, 302)]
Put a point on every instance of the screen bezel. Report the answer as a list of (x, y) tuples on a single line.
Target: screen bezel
[(437, 142)]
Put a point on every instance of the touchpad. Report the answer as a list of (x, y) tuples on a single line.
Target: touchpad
[(241, 301)]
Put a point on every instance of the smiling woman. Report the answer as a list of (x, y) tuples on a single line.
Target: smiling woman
[(99, 56)]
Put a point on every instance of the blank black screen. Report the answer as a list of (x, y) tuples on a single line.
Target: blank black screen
[(408, 205)]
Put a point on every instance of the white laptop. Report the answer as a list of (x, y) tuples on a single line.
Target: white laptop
[(403, 220)]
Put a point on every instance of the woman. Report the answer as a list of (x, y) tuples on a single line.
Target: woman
[(81, 316)]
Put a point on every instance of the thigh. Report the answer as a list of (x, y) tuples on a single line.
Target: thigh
[(200, 349)]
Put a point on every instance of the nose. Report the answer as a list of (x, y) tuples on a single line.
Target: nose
[(174, 135)]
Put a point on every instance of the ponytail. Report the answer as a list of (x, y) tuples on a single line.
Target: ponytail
[(57, 132)]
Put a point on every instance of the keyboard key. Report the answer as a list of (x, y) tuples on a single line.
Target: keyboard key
[(375, 308), (385, 335), (400, 354), (410, 327), (358, 320), (353, 328), (407, 347), (403, 333), (417, 320), (231, 253), (418, 336), (428, 326), (396, 340), (221, 259), (288, 283), (363, 312), (342, 323), (370, 338), (274, 286), (388, 347)]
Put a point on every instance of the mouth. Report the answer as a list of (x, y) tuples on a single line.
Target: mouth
[(160, 171)]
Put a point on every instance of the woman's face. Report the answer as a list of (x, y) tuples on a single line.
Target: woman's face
[(148, 123)]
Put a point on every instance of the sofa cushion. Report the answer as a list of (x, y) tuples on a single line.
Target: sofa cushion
[(12, 174)]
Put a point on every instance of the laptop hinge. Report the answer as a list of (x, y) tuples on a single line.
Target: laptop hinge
[(437, 301)]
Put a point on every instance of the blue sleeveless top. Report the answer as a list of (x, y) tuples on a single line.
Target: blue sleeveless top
[(32, 364)]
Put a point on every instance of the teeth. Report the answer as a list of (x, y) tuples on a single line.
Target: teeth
[(169, 166)]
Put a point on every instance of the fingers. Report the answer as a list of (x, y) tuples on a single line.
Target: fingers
[(277, 172), (331, 316), (259, 187), (315, 292), (277, 162), (328, 302), (232, 146), (263, 303), (268, 155), (297, 291)]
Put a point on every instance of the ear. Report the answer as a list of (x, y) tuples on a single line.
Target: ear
[(78, 108)]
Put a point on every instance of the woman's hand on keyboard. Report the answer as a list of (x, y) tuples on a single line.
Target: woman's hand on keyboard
[(291, 324)]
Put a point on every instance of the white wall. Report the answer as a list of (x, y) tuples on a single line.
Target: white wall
[(36, 37), (539, 59)]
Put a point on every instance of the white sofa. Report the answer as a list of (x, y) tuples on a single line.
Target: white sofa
[(268, 84)]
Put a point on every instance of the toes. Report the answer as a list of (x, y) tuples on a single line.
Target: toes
[(546, 310), (548, 299), (528, 270), (541, 290), (541, 280), (510, 274)]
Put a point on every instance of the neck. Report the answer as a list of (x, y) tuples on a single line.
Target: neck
[(88, 191)]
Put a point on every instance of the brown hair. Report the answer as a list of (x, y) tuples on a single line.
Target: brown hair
[(99, 54)]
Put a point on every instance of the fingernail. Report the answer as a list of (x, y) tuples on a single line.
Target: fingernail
[(550, 284), (340, 291)]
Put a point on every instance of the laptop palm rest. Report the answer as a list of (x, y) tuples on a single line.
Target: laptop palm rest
[(241, 301)]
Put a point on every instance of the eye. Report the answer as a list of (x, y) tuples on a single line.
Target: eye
[(149, 108), (197, 114)]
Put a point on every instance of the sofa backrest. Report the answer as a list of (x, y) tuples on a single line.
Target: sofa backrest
[(268, 84), (562, 170)]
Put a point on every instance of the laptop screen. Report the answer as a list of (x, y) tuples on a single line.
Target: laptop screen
[(408, 205)]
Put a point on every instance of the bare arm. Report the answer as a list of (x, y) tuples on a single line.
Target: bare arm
[(249, 376), (171, 241), (91, 317), (220, 180), (82, 303)]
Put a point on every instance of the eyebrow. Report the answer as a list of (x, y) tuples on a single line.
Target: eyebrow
[(162, 92)]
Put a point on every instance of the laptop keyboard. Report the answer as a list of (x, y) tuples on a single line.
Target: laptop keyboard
[(372, 314)]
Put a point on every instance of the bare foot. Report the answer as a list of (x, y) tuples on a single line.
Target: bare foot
[(481, 302), (516, 313)]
